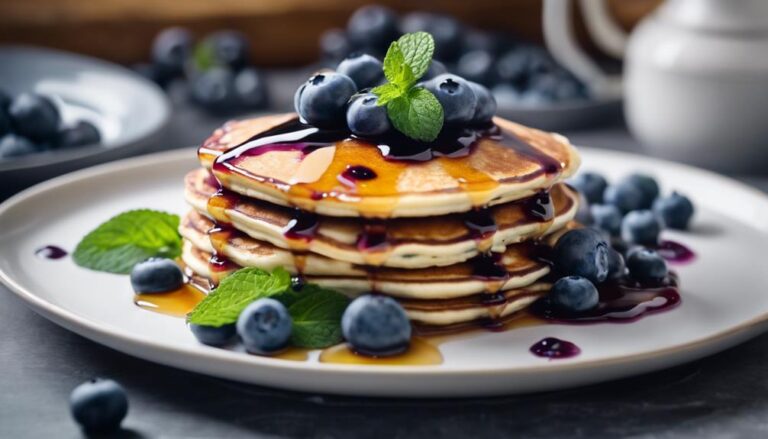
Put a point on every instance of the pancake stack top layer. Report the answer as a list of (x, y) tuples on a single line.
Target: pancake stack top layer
[(453, 229)]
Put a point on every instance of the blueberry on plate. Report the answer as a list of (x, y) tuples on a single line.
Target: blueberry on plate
[(214, 90), (230, 49), (646, 265), (365, 117), (99, 405), (324, 97), (641, 227), (616, 266), (582, 252), (477, 66), (156, 275), (607, 218), (675, 210), (591, 184), (558, 86), (647, 185), (35, 117), (250, 89), (334, 45), (486, 104), (82, 133), (446, 31), (171, 49), (624, 195), (376, 325), (372, 26), (264, 327), (436, 68), (213, 335), (365, 70), (574, 294), (12, 145), (456, 97), (584, 212)]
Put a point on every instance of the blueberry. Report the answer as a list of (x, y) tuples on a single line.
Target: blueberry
[(5, 101), (230, 49), (646, 265), (324, 99), (170, 51), (214, 90), (5, 122), (99, 405), (591, 184), (582, 252), (485, 108), (641, 227), (647, 185), (156, 275), (583, 212), (574, 294), (558, 86), (456, 97), (616, 265), (436, 68), (12, 145), (264, 326), (372, 26), (506, 95), (376, 325), (35, 117), (365, 117), (624, 195), (213, 335), (82, 133), (607, 218), (446, 31), (520, 65), (480, 40), (477, 66), (365, 70), (153, 73), (334, 44), (675, 210), (250, 89)]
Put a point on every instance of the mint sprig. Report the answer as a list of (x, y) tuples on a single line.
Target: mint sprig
[(127, 239), (413, 110), (316, 315)]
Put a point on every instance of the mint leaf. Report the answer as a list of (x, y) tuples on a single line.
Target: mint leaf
[(387, 92), (204, 57), (418, 114), (417, 49), (236, 291), (127, 239), (316, 317), (396, 70)]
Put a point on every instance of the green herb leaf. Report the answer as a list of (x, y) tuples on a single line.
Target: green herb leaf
[(316, 317), (387, 92), (418, 114), (127, 239), (396, 70), (204, 57), (417, 49), (235, 292)]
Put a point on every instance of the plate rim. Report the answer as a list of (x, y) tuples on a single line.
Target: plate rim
[(84, 327)]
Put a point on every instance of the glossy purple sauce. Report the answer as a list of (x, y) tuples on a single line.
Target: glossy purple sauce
[(480, 223), (675, 253), (540, 207), (51, 252), (356, 173), (302, 226), (488, 266), (373, 238), (554, 348)]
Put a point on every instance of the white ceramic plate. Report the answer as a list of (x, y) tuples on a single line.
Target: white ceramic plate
[(724, 300), (128, 110)]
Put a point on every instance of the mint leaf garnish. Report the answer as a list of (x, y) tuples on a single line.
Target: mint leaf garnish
[(316, 315), (414, 111), (235, 292), (127, 239), (417, 49), (203, 57), (418, 114)]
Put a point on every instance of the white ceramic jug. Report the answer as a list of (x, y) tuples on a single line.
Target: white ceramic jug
[(695, 77)]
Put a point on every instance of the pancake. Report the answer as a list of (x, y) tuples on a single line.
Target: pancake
[(409, 243), (281, 161), (430, 312), (517, 267)]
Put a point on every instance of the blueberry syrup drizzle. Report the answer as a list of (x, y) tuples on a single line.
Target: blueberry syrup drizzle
[(554, 348), (51, 252), (373, 238), (675, 252), (302, 226), (355, 173), (488, 267), (480, 223), (540, 207)]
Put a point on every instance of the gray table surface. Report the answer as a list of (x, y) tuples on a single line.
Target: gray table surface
[(724, 396)]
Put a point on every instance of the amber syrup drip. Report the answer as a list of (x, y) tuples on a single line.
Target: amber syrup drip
[(420, 353), (176, 303)]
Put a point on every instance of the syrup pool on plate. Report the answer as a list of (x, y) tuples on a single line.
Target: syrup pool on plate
[(420, 353)]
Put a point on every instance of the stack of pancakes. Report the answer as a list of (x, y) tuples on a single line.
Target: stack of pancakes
[(455, 239)]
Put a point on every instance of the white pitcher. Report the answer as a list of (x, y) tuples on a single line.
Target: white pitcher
[(695, 76)]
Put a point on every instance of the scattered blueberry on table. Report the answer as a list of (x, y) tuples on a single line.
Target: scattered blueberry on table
[(99, 405)]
